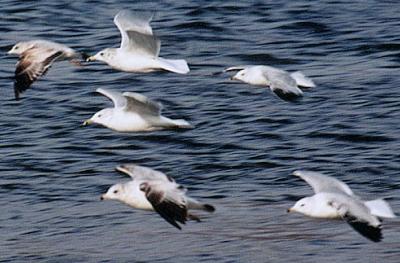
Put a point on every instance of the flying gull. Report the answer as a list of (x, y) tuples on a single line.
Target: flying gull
[(133, 112), (284, 84), (334, 199), (35, 59), (139, 48), (153, 190)]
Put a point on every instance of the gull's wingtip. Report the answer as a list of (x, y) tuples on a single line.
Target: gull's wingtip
[(297, 173)]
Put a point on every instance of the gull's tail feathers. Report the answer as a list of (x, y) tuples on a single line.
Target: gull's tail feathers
[(302, 80), (179, 66), (380, 208), (182, 124)]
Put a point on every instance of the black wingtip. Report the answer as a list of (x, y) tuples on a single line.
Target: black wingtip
[(209, 208), (372, 233), (84, 56), (291, 97)]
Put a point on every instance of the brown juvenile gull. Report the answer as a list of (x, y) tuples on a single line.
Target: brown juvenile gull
[(284, 84), (154, 191), (140, 48), (334, 199), (35, 59)]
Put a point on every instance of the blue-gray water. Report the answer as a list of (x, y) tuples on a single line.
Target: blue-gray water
[(240, 155)]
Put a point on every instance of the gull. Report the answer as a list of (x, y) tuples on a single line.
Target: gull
[(154, 191), (133, 112), (284, 84), (35, 59), (139, 48), (334, 199)]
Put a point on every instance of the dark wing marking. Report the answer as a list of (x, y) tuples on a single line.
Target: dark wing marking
[(171, 211), (30, 67), (364, 228)]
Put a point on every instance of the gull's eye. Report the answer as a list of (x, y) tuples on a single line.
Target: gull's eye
[(102, 54), (16, 47), (115, 191), (302, 205)]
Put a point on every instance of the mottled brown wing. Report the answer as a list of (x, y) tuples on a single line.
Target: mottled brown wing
[(173, 210), (32, 64)]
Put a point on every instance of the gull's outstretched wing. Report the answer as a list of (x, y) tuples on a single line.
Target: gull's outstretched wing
[(32, 64), (141, 104), (235, 68), (323, 183), (116, 97), (282, 84), (359, 218), (167, 199), (137, 172), (136, 33)]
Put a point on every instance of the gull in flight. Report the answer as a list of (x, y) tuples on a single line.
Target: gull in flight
[(154, 191), (35, 59), (284, 84), (334, 199), (139, 48), (133, 112)]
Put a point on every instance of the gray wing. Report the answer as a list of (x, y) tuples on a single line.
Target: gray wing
[(141, 104), (235, 68), (323, 183), (359, 218), (137, 172), (116, 97), (168, 200), (136, 32), (282, 84)]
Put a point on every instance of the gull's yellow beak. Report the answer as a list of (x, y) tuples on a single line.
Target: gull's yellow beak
[(289, 210), (87, 122), (91, 58)]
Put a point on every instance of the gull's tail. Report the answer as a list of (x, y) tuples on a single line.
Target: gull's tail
[(196, 205), (380, 208), (179, 66), (302, 80), (181, 124)]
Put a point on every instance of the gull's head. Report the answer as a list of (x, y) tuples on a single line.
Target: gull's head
[(115, 192), (103, 55), (303, 206), (252, 75), (102, 117), (19, 48)]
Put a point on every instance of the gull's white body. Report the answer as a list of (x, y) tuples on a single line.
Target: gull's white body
[(282, 83), (133, 196), (133, 112), (334, 199), (154, 191), (139, 50)]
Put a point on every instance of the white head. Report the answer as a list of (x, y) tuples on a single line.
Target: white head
[(20, 47), (104, 55), (303, 206), (317, 206), (102, 117), (252, 75), (115, 192)]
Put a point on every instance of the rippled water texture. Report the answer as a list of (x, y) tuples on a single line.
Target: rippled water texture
[(242, 152)]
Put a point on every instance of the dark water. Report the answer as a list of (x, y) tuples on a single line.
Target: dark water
[(242, 152)]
